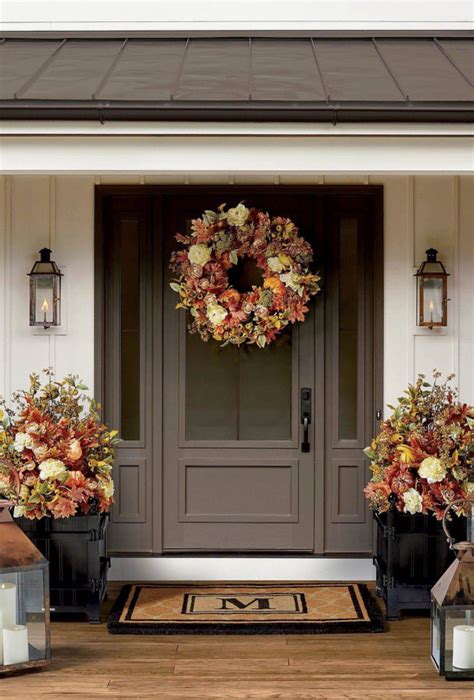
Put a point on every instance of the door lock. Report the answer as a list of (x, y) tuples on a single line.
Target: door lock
[(305, 417)]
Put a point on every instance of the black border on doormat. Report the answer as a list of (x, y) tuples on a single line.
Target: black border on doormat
[(375, 624)]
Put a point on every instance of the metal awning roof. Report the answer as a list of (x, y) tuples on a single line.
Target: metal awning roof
[(357, 78)]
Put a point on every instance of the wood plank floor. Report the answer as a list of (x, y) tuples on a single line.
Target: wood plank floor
[(90, 663)]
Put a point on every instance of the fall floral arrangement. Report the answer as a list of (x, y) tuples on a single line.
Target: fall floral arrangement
[(217, 242), (55, 454), (423, 456)]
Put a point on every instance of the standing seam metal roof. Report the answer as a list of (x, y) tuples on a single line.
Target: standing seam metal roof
[(359, 78)]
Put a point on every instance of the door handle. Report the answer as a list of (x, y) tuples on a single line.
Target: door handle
[(305, 417), (305, 446)]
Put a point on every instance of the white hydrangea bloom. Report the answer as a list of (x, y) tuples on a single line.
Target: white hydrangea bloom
[(413, 501), (23, 441), (51, 469), (432, 469)]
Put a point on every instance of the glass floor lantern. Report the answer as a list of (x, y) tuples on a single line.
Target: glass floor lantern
[(25, 641), (452, 606)]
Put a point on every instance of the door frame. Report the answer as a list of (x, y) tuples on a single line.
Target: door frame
[(373, 194)]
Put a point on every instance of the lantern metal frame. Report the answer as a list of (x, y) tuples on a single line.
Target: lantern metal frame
[(446, 598), (45, 269), (421, 276), (18, 555)]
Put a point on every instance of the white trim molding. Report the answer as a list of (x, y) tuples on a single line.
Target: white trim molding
[(240, 569), (182, 128), (245, 15), (191, 154)]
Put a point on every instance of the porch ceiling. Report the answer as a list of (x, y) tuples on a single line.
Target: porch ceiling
[(358, 78)]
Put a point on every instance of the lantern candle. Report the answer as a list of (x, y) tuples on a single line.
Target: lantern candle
[(15, 645), (44, 309), (463, 646), (8, 603)]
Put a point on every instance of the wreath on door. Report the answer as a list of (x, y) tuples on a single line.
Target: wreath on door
[(217, 242)]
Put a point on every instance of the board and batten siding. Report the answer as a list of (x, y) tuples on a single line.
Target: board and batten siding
[(420, 211)]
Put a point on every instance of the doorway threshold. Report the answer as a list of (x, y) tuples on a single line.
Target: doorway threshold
[(241, 568)]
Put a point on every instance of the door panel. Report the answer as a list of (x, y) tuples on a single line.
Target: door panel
[(234, 474), (349, 372), (238, 491), (127, 367)]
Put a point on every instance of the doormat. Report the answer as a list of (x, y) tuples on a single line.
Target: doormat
[(245, 608)]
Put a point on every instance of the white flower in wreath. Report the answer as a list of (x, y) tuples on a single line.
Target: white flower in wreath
[(199, 254), (292, 280), (238, 215), (216, 314), (413, 501), (23, 441), (51, 469), (432, 469), (275, 264)]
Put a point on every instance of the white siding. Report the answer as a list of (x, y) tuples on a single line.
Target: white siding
[(420, 211)]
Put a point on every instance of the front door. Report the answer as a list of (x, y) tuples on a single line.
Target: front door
[(211, 456), (235, 476)]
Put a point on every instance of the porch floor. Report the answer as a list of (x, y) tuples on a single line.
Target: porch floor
[(90, 663)]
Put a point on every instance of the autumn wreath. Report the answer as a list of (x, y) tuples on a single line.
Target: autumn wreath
[(218, 240)]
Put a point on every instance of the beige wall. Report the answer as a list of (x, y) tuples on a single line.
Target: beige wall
[(420, 211)]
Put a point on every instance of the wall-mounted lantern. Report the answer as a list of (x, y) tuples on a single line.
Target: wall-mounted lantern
[(432, 292), (45, 291)]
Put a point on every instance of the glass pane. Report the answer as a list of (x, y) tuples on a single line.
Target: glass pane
[(348, 322), (435, 633), (265, 391), (130, 330), (23, 628), (238, 393), (433, 300), (212, 375), (459, 639), (44, 299)]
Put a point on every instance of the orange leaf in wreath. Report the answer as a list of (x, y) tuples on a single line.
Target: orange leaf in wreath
[(275, 285)]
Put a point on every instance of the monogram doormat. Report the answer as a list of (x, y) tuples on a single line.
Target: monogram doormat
[(244, 608)]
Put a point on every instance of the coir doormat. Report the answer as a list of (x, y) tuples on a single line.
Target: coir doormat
[(244, 608)]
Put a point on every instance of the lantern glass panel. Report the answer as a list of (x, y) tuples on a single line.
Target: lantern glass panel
[(436, 634), (432, 299), (24, 636), (44, 299), (459, 640)]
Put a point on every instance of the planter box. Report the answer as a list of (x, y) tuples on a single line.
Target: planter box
[(76, 549), (412, 554)]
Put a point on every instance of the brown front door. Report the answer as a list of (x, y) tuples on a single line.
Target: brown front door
[(211, 456), (235, 477)]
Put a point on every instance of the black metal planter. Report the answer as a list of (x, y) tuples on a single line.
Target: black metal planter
[(76, 549), (412, 554)]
